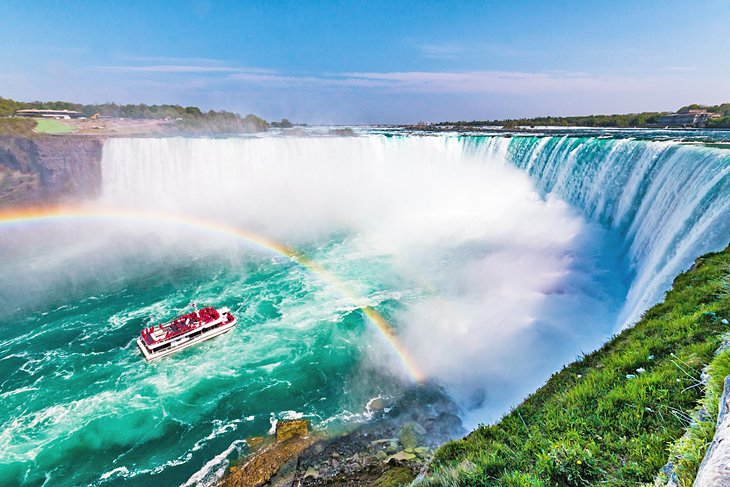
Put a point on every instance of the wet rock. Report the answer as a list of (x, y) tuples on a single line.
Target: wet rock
[(255, 442), (296, 428), (401, 456), (279, 457), (311, 473), (377, 405), (363, 451), (411, 434), (382, 441)]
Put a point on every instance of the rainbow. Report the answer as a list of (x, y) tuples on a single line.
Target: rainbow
[(38, 215)]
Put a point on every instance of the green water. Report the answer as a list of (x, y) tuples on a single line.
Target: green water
[(491, 279), (81, 406)]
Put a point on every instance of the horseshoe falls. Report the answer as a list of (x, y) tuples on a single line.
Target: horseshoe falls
[(668, 202), (496, 260)]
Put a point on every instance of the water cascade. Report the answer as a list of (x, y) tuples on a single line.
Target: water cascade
[(669, 202), (496, 260)]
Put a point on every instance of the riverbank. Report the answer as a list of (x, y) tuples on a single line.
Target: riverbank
[(390, 449), (610, 418)]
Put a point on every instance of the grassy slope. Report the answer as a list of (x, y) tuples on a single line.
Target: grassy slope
[(17, 127), (590, 424)]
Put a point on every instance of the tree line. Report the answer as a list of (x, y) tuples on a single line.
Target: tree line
[(617, 120), (192, 118)]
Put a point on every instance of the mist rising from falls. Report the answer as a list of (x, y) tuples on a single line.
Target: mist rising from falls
[(498, 286), (669, 202), (496, 259)]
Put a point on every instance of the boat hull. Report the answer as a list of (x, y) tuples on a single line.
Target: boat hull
[(183, 342)]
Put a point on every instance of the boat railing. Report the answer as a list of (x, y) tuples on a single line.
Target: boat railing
[(183, 324)]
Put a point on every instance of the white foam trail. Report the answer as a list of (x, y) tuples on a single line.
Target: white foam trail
[(119, 471), (489, 268), (215, 468)]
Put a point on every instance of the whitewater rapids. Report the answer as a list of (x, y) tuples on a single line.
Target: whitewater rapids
[(495, 259)]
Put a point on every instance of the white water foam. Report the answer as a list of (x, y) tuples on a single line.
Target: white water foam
[(485, 269), (215, 468)]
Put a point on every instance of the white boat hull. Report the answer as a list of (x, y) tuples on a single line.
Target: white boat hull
[(183, 342)]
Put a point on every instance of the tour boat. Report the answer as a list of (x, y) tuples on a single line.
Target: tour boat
[(184, 331)]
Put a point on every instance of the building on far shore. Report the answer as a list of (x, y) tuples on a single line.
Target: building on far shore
[(687, 117), (59, 114)]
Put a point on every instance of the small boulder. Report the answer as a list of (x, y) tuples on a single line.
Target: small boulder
[(311, 473), (411, 434), (296, 428), (401, 456), (376, 405)]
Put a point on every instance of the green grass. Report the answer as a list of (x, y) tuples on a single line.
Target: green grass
[(599, 421), (45, 126)]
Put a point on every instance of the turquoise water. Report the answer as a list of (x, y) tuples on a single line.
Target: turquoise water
[(476, 249), (81, 406)]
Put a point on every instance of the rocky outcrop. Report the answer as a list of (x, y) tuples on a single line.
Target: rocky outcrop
[(715, 468), (46, 170), (389, 450), (292, 437)]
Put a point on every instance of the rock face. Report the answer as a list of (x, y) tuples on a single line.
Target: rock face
[(291, 439), (43, 170), (715, 468), (388, 451), (292, 428)]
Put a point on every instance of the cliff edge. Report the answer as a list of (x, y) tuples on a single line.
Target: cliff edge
[(48, 170)]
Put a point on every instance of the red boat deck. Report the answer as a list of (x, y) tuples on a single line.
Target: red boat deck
[(180, 325)]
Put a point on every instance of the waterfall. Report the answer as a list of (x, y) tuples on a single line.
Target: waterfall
[(669, 201)]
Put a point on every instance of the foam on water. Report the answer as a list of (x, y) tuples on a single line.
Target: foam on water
[(469, 246)]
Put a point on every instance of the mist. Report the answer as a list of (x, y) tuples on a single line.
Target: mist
[(496, 286)]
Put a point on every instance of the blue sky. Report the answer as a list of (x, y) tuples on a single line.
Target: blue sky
[(371, 61)]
